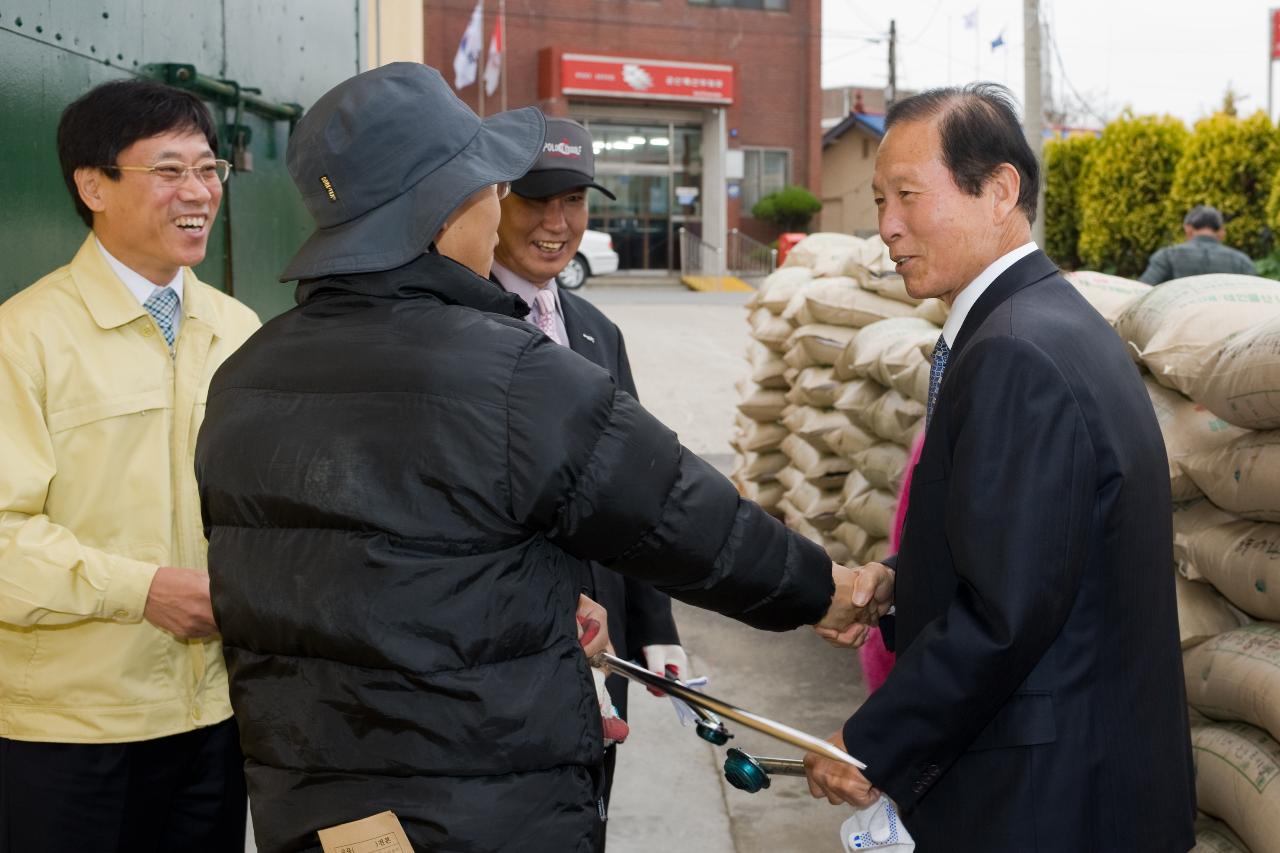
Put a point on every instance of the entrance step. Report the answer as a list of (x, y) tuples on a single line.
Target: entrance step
[(716, 283)]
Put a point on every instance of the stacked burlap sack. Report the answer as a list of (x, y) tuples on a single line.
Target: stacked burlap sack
[(1211, 345), (838, 381)]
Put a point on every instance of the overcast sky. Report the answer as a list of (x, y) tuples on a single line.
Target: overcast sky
[(1174, 56)]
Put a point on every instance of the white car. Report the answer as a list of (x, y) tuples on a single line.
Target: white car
[(595, 257)]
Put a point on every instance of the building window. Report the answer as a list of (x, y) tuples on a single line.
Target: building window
[(767, 5), (765, 170)]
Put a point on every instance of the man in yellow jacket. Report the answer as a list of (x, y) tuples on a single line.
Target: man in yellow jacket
[(115, 724)]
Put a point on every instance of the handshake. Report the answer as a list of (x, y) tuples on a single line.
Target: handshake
[(862, 596)]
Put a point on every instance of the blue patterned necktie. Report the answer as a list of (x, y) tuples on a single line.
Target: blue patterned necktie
[(163, 305), (940, 353)]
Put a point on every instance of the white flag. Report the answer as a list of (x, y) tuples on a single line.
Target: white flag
[(970, 19), (493, 65), (466, 63)]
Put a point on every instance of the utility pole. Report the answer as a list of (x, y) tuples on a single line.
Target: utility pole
[(482, 53), (1273, 23), (506, 52), (1034, 102), (891, 92)]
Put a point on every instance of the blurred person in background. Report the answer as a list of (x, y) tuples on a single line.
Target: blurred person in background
[(1202, 253)]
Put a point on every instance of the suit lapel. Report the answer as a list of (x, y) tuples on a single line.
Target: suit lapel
[(582, 339), (1027, 271)]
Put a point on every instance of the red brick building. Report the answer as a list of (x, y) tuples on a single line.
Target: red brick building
[(697, 107)]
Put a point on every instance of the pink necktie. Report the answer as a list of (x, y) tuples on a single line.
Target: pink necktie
[(547, 314)]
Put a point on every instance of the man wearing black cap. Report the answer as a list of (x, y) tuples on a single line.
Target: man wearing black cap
[(396, 478), (543, 219)]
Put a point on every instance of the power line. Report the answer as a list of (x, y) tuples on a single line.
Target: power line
[(846, 55), (1057, 55), (463, 6), (857, 11), (927, 26)]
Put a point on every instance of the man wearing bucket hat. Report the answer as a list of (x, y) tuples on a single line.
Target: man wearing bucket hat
[(397, 478), (543, 219)]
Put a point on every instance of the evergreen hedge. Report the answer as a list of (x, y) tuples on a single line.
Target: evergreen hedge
[(1124, 194), (1064, 163)]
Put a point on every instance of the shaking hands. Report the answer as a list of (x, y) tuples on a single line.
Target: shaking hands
[(862, 596)]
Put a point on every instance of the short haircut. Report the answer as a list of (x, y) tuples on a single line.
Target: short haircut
[(109, 118), (1203, 216), (979, 130)]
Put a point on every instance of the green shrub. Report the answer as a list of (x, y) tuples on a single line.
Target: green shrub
[(1064, 161), (1230, 163), (1273, 205), (1269, 267), (790, 208), (1124, 196)]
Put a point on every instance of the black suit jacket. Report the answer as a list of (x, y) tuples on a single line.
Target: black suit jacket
[(1037, 703), (639, 615)]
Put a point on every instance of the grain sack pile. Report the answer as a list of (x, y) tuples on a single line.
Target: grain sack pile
[(1211, 345), (1214, 836), (839, 376), (1109, 295)]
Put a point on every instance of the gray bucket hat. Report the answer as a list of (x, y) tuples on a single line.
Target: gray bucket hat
[(384, 157)]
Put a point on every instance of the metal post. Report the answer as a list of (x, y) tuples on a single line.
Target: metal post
[(1034, 103), (506, 52), (892, 94), (1271, 54), (482, 54)]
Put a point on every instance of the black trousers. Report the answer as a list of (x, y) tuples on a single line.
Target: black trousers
[(183, 792)]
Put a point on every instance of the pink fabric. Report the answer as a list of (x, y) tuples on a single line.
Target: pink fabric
[(876, 659)]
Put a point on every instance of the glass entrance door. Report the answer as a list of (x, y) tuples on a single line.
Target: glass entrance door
[(639, 221), (655, 170)]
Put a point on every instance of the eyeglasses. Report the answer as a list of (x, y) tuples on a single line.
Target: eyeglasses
[(172, 173), (503, 189)]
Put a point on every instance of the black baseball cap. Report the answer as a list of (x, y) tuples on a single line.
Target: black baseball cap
[(567, 162), (383, 158)]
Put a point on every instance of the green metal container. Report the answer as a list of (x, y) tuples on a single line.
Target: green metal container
[(287, 52)]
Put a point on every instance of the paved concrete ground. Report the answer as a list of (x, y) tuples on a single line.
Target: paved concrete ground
[(686, 352)]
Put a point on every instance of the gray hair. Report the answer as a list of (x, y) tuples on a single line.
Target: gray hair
[(1203, 216)]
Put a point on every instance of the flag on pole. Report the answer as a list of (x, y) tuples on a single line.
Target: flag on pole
[(998, 41), (493, 65), (970, 19), (466, 62)]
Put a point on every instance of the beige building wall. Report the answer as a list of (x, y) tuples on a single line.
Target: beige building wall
[(395, 32), (848, 165)]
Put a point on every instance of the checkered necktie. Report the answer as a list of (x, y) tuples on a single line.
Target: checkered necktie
[(163, 305), (940, 353), (546, 301)]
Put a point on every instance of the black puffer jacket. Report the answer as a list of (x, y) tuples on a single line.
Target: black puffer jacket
[(392, 474)]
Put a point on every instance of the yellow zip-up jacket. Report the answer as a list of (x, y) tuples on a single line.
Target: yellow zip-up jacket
[(98, 427)]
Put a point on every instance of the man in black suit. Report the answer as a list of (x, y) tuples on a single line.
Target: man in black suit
[(1037, 703), (543, 219)]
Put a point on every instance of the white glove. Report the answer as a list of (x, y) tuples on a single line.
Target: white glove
[(615, 728), (666, 660)]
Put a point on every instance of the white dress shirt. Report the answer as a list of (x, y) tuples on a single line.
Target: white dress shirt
[(528, 291), (140, 286), (968, 297)]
